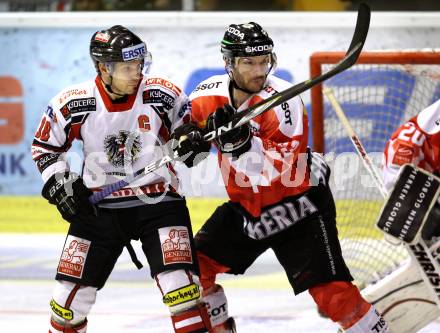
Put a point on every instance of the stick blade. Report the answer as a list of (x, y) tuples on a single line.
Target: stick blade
[(361, 30)]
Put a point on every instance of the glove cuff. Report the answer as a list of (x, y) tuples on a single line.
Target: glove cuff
[(55, 183)]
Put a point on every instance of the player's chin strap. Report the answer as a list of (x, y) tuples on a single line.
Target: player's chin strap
[(108, 86)]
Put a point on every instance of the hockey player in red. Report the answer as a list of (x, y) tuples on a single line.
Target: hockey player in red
[(266, 170), (121, 117), (416, 142)]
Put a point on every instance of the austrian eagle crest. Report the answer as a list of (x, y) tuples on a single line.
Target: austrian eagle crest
[(122, 149)]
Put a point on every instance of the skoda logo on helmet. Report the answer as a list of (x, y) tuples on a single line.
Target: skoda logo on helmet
[(259, 48), (236, 32)]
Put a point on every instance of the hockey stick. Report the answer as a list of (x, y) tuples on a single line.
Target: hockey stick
[(418, 252), (351, 56)]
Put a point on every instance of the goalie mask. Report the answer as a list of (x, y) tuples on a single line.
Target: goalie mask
[(119, 45), (246, 40)]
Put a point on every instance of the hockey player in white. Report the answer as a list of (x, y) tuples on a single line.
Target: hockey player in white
[(272, 203), (121, 117)]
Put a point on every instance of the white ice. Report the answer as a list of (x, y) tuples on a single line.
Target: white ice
[(261, 301)]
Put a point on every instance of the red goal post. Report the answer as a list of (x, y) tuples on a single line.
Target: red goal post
[(318, 59), (378, 94)]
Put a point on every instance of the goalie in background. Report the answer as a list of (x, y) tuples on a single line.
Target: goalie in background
[(266, 165), (121, 117), (416, 142), (406, 300)]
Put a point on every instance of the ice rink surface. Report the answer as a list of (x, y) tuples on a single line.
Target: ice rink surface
[(261, 301)]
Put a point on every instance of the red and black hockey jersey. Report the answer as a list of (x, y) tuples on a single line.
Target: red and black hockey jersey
[(271, 170)]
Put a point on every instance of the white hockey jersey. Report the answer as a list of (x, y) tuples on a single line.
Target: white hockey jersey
[(119, 138)]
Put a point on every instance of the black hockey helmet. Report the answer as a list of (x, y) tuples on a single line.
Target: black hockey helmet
[(117, 44), (244, 40)]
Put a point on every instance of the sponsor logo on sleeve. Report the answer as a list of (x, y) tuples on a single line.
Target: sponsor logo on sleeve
[(151, 96), (185, 109), (205, 86), (72, 92), (77, 106), (74, 256), (270, 90), (49, 112), (163, 83), (176, 246), (46, 161)]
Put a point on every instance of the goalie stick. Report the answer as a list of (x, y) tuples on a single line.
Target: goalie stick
[(350, 58), (420, 254)]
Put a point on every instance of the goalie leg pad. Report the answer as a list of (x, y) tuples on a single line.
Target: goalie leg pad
[(342, 302), (404, 298), (71, 303)]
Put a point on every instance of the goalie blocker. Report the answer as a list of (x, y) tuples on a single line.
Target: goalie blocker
[(410, 205)]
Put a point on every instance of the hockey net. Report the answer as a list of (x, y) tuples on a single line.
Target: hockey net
[(379, 93)]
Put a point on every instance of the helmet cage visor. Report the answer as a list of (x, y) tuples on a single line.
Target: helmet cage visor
[(109, 56), (128, 70), (232, 63)]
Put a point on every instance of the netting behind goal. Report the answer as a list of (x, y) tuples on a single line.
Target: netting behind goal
[(377, 94)]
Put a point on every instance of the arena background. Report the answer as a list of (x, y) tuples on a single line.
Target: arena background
[(41, 53)]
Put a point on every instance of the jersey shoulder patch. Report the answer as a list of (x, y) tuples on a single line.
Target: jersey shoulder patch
[(160, 90), (76, 91), (78, 98), (215, 85), (163, 84)]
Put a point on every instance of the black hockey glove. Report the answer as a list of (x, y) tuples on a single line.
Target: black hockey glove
[(68, 192), (319, 169), (236, 141), (189, 144)]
